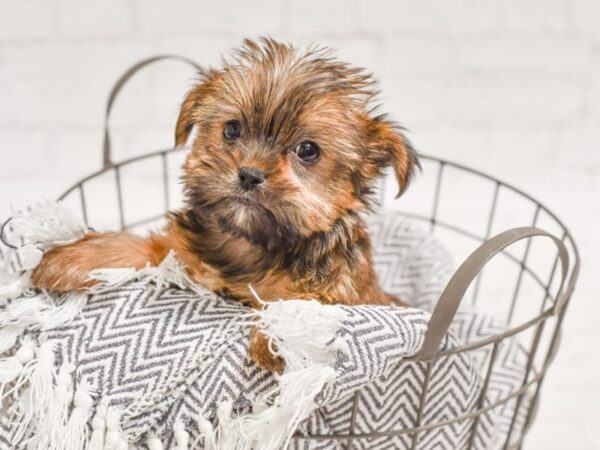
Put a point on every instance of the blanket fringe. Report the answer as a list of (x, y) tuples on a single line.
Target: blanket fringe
[(154, 443), (182, 437), (17, 369), (9, 335), (169, 272), (31, 406), (305, 334), (75, 434), (98, 426), (12, 286), (115, 439), (58, 415), (206, 432), (41, 312), (47, 224)]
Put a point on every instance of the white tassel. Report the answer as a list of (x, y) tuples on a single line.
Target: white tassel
[(207, 432), (69, 308), (305, 335), (41, 387), (41, 313), (111, 278), (58, 416), (52, 432), (12, 286), (182, 437), (35, 400), (29, 256), (26, 311), (99, 426), (154, 443), (169, 271), (8, 337), (114, 439), (76, 432), (281, 412), (17, 368), (303, 331), (48, 224)]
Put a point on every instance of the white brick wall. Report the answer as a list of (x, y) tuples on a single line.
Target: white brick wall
[(509, 86)]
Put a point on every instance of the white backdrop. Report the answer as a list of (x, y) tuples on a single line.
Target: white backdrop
[(508, 86)]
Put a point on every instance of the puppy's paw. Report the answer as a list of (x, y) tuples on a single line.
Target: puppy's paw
[(62, 269), (258, 349)]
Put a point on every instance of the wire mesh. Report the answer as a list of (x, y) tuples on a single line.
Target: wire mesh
[(548, 315)]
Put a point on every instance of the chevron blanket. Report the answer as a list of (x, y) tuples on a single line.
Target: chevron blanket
[(150, 361)]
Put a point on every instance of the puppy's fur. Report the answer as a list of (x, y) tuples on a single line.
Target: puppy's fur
[(296, 234)]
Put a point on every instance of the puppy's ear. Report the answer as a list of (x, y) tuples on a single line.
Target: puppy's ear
[(185, 121), (388, 146)]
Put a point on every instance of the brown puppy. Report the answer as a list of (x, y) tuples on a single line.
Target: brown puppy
[(286, 153)]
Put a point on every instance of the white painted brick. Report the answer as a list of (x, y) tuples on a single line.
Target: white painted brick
[(518, 53), (20, 192), (593, 95), (536, 15), (362, 51), (24, 153), (413, 101), (586, 16), (27, 19), (453, 143), (89, 18), (477, 17), (130, 142), (511, 151), (429, 16), (235, 16), (76, 153), (419, 56), (513, 102), (258, 17), (163, 16), (580, 147), (205, 50), (67, 84), (316, 16)]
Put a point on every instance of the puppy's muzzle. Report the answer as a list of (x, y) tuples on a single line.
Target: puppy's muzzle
[(250, 178)]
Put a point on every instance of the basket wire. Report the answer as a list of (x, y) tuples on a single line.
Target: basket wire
[(553, 302)]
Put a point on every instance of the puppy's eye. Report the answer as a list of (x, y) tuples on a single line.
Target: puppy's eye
[(308, 151), (232, 130)]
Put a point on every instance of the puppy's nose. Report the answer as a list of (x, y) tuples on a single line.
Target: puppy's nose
[(250, 178)]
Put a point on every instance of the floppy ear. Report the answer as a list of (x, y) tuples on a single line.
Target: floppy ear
[(390, 147), (185, 121)]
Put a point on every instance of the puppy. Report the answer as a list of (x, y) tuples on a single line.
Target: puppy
[(285, 156)]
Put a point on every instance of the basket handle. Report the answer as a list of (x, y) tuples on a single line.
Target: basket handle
[(114, 92), (449, 301)]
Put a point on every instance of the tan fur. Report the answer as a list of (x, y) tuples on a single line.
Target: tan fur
[(300, 234)]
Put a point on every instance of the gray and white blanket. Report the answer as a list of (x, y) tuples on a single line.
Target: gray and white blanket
[(146, 364)]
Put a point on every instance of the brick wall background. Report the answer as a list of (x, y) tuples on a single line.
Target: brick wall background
[(507, 86)]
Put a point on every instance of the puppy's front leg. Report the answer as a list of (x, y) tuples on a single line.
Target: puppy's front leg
[(67, 268), (260, 353)]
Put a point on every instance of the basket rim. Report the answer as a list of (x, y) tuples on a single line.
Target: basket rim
[(543, 314)]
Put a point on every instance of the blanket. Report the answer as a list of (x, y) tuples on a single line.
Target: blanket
[(148, 359)]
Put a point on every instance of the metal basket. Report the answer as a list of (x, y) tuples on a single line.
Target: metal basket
[(542, 281)]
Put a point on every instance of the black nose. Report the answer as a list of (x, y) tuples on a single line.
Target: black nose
[(250, 178)]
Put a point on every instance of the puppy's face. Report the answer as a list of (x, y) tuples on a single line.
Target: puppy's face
[(285, 143)]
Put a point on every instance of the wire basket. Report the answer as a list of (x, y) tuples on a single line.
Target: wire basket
[(530, 282)]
